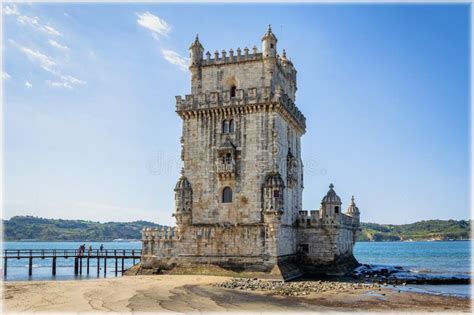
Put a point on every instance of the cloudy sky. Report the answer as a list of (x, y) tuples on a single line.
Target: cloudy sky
[(90, 130)]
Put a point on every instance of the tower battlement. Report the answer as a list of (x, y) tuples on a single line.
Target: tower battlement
[(242, 69), (251, 99)]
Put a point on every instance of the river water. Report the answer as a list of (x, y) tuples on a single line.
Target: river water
[(452, 257)]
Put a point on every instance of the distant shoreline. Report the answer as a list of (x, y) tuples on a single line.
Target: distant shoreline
[(35, 229)]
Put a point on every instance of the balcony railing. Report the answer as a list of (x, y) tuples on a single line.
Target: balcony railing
[(226, 168)]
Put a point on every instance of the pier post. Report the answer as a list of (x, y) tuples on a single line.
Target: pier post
[(116, 266), (5, 266), (54, 266), (88, 265), (123, 264), (98, 266), (76, 266), (80, 266), (133, 255), (105, 266), (30, 266)]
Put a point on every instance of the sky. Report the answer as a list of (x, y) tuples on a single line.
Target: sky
[(90, 130)]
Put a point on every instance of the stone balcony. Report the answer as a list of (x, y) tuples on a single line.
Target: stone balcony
[(226, 171)]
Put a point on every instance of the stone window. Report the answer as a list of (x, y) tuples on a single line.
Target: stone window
[(227, 195), (225, 126), (336, 209), (233, 89), (228, 126)]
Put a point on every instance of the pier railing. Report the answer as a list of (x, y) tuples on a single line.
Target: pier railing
[(78, 255)]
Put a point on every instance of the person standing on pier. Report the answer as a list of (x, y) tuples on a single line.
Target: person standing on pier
[(101, 248)]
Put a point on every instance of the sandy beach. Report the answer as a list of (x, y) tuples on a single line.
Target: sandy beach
[(186, 293)]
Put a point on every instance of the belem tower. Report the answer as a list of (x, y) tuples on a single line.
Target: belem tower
[(238, 202)]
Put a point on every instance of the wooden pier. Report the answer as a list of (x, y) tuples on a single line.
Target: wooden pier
[(79, 257)]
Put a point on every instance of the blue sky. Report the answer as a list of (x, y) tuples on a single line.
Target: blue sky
[(90, 130)]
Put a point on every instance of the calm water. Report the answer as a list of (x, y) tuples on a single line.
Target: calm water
[(18, 269), (426, 257)]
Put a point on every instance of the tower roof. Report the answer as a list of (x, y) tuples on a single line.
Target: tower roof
[(196, 43), (352, 206), (274, 180), (331, 196), (269, 34), (182, 183)]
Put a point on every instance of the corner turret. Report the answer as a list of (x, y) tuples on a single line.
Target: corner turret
[(183, 201), (331, 203), (269, 44), (353, 212), (196, 52)]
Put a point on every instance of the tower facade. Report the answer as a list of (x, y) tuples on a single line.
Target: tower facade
[(239, 198)]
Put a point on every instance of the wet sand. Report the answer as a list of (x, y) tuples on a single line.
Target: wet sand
[(186, 293)]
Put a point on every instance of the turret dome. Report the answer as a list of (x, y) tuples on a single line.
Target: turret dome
[(331, 196), (352, 207), (182, 184), (269, 34), (274, 180)]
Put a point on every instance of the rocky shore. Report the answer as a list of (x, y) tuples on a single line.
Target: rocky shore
[(397, 275), (297, 288)]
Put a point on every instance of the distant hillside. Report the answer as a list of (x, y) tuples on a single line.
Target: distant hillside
[(39, 229), (422, 230)]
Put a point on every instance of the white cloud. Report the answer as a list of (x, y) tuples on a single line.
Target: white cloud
[(31, 21), (35, 55), (61, 84), (153, 23), (174, 58), (49, 65), (5, 75), (28, 84), (57, 45), (10, 10)]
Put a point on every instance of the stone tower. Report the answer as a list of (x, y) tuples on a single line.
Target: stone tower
[(239, 198)]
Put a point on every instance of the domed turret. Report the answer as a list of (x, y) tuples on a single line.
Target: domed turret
[(182, 184), (274, 180), (353, 211), (269, 42), (331, 203), (183, 198), (331, 197)]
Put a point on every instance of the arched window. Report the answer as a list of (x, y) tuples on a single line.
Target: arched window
[(225, 126), (227, 195), (233, 90), (336, 209), (231, 126), (228, 158)]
